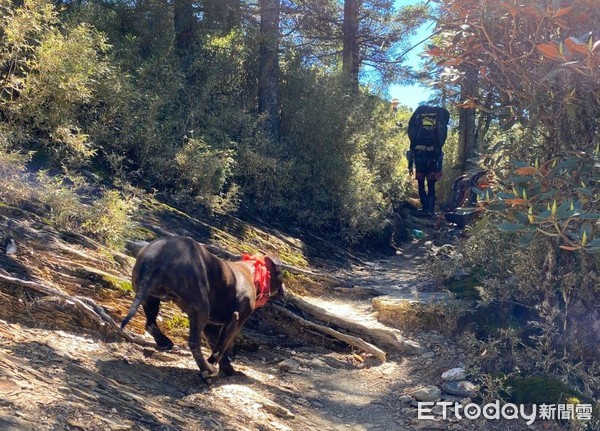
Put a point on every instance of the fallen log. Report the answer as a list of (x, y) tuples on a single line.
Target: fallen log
[(376, 335), (348, 339)]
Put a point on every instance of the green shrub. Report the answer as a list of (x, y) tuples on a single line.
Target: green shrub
[(61, 199), (57, 198), (203, 171), (62, 80), (108, 218), (536, 304)]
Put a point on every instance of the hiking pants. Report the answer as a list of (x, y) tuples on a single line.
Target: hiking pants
[(428, 167), (427, 198)]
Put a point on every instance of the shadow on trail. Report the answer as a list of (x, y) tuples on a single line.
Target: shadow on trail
[(117, 391)]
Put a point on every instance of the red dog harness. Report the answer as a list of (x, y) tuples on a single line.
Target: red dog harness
[(262, 279)]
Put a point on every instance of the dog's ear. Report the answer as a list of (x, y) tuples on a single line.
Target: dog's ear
[(272, 259), (273, 264)]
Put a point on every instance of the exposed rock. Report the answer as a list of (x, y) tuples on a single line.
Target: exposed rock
[(437, 410), (406, 399), (453, 398), (289, 365), (11, 246), (9, 387), (279, 411), (15, 424), (454, 374), (427, 393), (462, 388), (420, 424)]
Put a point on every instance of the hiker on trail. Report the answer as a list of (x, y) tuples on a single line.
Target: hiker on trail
[(427, 131)]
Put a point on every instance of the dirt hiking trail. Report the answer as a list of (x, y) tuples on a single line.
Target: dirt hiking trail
[(61, 371)]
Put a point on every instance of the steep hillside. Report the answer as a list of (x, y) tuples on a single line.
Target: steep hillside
[(64, 366)]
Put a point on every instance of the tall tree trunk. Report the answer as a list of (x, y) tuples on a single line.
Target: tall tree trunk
[(222, 15), (483, 122), (268, 74), (467, 129), (350, 53), (183, 21)]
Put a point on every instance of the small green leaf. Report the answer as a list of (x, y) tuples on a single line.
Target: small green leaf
[(530, 216), (519, 179), (512, 227), (478, 192), (488, 195), (586, 231), (594, 243), (525, 240), (522, 218), (497, 206), (519, 164), (583, 191), (544, 215), (479, 226), (567, 163), (504, 195), (465, 210)]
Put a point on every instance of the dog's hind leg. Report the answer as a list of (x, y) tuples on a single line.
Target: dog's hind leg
[(151, 308), (198, 322), (211, 332)]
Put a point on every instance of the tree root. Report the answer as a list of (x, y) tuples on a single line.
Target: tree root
[(348, 339), (379, 336), (87, 306)]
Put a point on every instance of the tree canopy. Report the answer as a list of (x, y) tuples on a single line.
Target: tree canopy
[(216, 104)]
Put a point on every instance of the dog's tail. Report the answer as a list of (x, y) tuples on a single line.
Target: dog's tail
[(141, 294), (139, 298)]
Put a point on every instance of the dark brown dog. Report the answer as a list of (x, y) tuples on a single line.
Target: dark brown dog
[(217, 296)]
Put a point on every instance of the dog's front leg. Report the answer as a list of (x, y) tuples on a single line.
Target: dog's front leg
[(197, 324), (211, 332), (226, 336)]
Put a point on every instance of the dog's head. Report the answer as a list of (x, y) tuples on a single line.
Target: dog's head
[(273, 264)]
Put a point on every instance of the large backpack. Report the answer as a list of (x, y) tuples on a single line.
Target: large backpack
[(428, 128)]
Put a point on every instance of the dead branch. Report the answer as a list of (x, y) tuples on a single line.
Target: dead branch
[(375, 335), (348, 339)]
